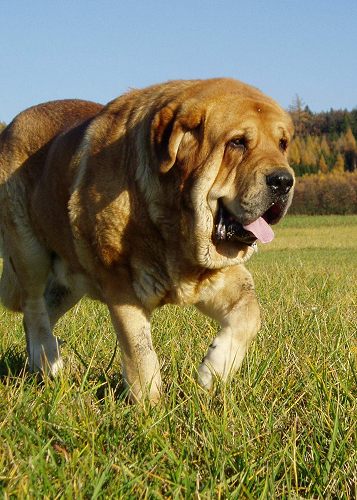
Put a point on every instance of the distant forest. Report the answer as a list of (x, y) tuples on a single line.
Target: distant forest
[(324, 142)]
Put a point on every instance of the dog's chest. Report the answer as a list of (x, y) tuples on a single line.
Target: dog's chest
[(155, 288)]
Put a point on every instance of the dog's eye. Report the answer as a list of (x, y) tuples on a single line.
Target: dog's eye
[(238, 143), (283, 144)]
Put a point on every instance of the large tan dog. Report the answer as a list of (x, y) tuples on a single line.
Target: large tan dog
[(156, 198)]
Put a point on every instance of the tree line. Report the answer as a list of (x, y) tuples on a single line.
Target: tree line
[(323, 142), (324, 194)]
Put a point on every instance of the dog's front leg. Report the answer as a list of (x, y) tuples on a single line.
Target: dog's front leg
[(141, 369), (236, 309)]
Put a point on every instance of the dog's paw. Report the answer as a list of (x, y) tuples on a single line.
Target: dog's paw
[(205, 376), (46, 358)]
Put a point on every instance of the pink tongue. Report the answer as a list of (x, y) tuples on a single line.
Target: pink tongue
[(261, 230)]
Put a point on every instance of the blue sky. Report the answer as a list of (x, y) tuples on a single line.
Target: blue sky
[(97, 49)]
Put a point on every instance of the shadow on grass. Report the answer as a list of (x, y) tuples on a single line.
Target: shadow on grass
[(105, 384), (12, 363), (103, 380)]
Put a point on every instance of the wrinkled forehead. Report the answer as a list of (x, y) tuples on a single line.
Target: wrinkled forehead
[(234, 115)]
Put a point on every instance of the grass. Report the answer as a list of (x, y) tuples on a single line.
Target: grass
[(285, 427)]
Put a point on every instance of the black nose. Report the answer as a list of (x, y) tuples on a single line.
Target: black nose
[(280, 182)]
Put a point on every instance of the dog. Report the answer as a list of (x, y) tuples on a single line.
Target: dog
[(158, 197)]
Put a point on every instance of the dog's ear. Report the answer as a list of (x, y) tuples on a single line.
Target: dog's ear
[(168, 128)]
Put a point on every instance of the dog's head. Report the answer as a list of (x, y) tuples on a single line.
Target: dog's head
[(221, 151)]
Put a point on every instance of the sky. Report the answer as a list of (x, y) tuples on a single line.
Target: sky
[(98, 49)]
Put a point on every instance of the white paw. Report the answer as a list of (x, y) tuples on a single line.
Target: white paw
[(222, 360), (205, 377), (46, 358), (55, 367)]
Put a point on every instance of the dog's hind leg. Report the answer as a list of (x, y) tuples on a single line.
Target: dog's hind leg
[(32, 264), (42, 346)]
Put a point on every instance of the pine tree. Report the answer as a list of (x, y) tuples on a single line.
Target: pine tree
[(339, 166), (308, 156), (325, 148), (349, 147), (323, 168), (300, 115), (311, 144)]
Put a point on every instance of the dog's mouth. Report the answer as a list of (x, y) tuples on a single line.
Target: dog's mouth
[(229, 228)]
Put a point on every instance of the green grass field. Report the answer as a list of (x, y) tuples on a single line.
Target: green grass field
[(285, 427)]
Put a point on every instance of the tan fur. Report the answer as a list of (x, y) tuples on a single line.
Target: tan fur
[(120, 202)]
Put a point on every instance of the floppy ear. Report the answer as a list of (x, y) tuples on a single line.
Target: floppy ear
[(168, 128)]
